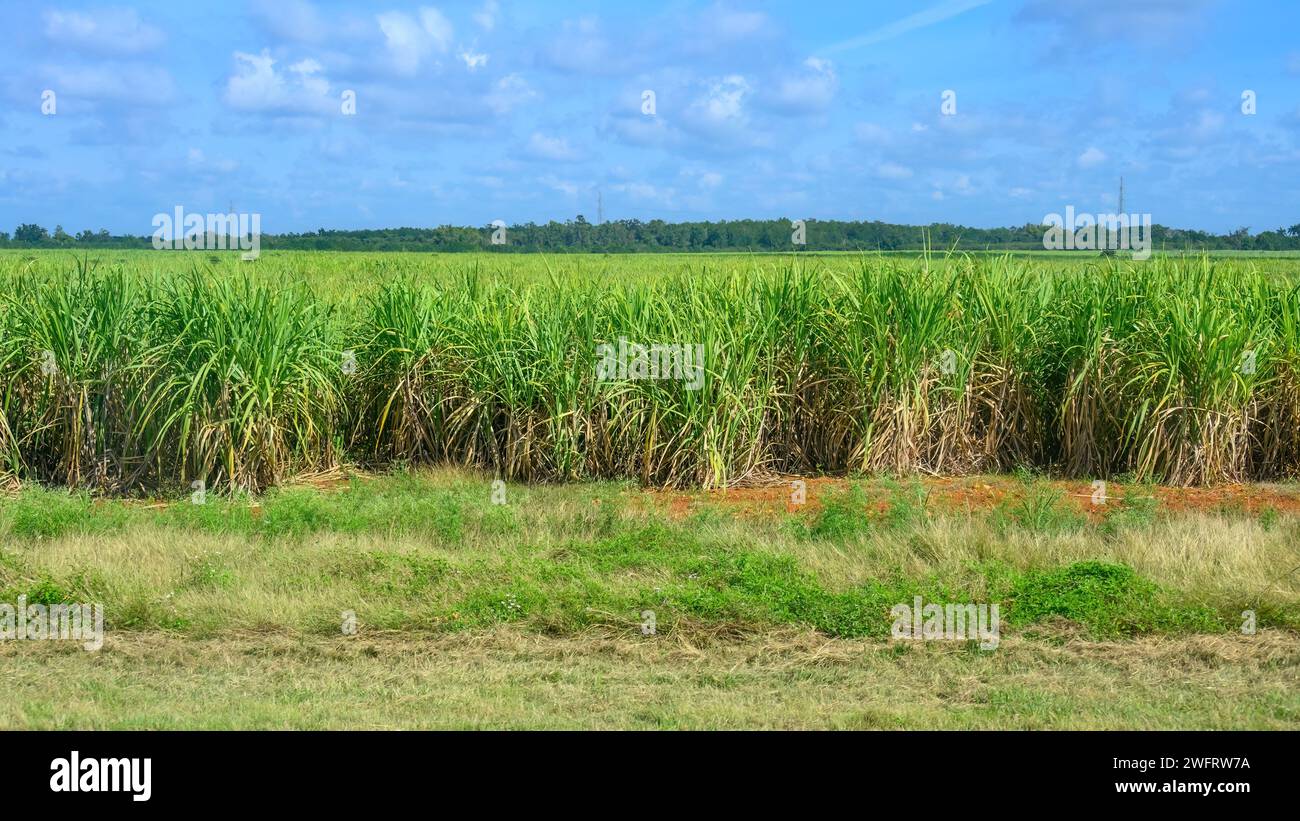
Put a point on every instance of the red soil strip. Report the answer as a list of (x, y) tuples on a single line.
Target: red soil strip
[(980, 493)]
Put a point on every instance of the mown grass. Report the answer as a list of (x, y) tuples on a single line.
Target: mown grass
[(510, 678)]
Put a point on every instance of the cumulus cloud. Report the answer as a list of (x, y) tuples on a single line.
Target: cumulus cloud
[(257, 86), (722, 105)]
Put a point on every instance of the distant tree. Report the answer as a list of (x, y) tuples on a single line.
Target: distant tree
[(579, 235), (30, 232)]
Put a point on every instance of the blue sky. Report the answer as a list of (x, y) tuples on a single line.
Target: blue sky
[(467, 112)]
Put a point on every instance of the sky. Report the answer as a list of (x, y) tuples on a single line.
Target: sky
[(378, 114)]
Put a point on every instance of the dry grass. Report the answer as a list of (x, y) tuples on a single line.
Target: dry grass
[(216, 581)]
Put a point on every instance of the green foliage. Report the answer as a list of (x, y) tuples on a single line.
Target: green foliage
[(616, 236), (564, 565), (1108, 599), (1179, 369), (1042, 509), (47, 592), (36, 513)]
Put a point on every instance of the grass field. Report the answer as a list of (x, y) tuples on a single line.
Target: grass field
[(530, 613), (505, 679), (350, 557)]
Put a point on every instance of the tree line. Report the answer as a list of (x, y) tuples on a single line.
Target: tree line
[(620, 236)]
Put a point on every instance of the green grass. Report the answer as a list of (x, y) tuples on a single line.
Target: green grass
[(420, 552), (230, 613)]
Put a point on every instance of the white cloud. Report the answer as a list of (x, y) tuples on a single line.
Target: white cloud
[(257, 86), (1092, 157), (472, 59), (646, 192), (580, 46), (1208, 123), (306, 71), (730, 24), (103, 31), (565, 187), (437, 27), (409, 41), (555, 149), (704, 179), (198, 161), (810, 88), (871, 133), (722, 105), (510, 92), (893, 171), (1084, 26), (130, 84), (637, 129), (293, 20), (486, 18)]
